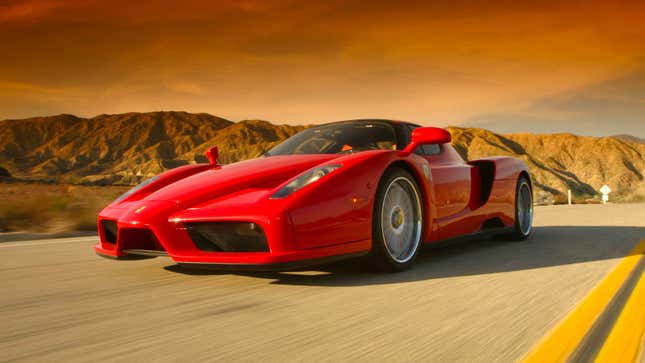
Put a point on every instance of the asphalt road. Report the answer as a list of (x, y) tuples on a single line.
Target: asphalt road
[(479, 301)]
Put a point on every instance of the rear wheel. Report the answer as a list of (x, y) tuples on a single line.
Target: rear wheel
[(397, 221), (523, 210)]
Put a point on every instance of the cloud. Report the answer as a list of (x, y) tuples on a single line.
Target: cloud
[(185, 86), (35, 89), (30, 11), (611, 97), (612, 106), (439, 61)]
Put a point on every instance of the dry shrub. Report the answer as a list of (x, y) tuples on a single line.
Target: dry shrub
[(52, 208), (31, 214)]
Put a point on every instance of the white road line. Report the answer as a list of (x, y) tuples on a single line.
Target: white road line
[(48, 242)]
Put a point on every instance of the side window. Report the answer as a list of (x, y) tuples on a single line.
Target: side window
[(434, 149)]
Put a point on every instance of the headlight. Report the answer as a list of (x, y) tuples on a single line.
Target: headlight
[(136, 188), (305, 179)]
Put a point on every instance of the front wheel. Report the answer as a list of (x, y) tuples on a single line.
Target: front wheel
[(397, 221)]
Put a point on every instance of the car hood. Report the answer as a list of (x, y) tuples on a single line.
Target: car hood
[(267, 172)]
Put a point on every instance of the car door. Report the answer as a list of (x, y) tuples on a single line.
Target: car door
[(451, 178)]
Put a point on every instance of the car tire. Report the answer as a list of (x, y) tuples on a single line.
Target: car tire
[(397, 221), (523, 226)]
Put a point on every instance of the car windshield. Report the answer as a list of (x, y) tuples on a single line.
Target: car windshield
[(340, 137)]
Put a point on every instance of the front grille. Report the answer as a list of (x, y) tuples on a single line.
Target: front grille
[(109, 230), (228, 237)]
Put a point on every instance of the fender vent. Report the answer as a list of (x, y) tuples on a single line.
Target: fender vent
[(487, 176)]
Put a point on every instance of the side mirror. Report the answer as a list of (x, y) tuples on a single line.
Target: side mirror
[(425, 136), (212, 154)]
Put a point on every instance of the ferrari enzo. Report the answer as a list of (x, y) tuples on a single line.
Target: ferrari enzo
[(342, 189)]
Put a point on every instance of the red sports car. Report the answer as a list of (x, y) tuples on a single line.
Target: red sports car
[(342, 189)]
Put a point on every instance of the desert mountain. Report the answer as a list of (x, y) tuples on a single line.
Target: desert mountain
[(630, 138), (564, 161), (125, 148)]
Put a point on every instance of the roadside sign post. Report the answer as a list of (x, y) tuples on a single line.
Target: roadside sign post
[(569, 196), (605, 190)]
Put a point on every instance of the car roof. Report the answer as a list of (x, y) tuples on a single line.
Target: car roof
[(392, 122)]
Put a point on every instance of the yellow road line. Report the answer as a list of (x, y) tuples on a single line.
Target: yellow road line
[(560, 342), (624, 341)]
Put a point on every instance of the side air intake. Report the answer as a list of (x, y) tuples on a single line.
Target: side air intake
[(109, 230)]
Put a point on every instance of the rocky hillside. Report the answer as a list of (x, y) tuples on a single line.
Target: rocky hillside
[(564, 161), (125, 148), (630, 138)]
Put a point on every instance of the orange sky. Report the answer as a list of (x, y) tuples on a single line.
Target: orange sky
[(543, 67)]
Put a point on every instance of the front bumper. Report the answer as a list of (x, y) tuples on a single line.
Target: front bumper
[(158, 228), (273, 264)]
